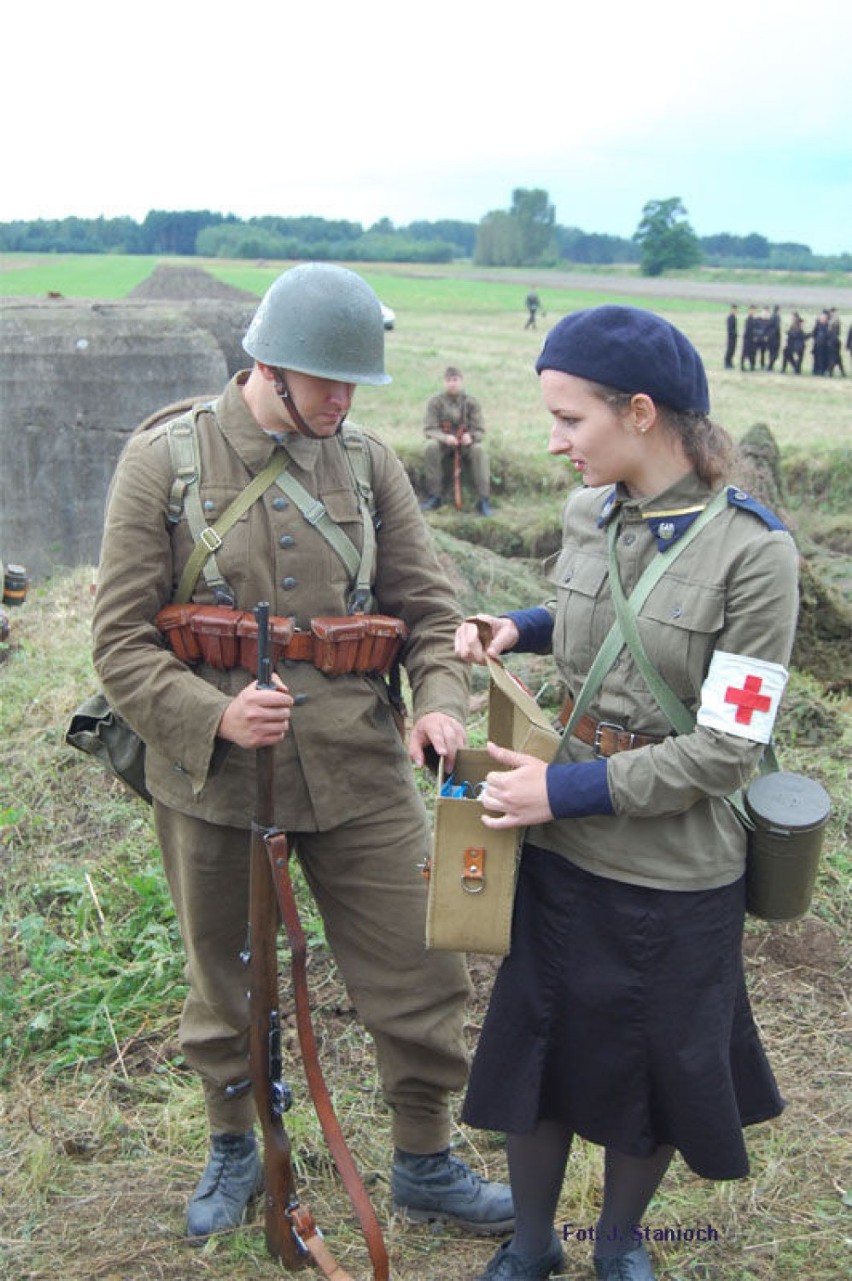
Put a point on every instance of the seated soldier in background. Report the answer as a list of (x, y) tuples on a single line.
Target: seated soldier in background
[(454, 429)]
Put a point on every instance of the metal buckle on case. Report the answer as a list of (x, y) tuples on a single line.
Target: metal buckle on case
[(473, 872)]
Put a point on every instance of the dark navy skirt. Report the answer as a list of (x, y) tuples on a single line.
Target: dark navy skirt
[(622, 1013)]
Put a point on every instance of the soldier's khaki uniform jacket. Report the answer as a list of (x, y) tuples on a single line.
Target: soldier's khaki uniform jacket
[(342, 756), (456, 410), (735, 588)]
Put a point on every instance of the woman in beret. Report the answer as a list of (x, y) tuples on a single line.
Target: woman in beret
[(621, 1013)]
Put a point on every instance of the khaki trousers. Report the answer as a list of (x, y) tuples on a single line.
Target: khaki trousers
[(438, 468), (372, 897)]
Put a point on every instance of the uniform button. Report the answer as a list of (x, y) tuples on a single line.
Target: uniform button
[(569, 576), (299, 699), (629, 539), (279, 504), (209, 505), (286, 540), (677, 612), (288, 584)]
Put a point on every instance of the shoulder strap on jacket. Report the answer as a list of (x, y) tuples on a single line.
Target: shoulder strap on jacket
[(359, 566), (185, 496), (358, 455)]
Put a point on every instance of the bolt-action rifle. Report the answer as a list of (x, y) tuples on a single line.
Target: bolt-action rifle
[(291, 1232), (457, 434)]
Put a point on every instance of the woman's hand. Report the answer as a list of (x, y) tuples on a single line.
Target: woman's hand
[(517, 793), (485, 636), (258, 717)]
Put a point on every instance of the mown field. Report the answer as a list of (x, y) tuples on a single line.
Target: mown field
[(102, 1136)]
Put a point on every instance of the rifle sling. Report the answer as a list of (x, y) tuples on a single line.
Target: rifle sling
[(278, 850)]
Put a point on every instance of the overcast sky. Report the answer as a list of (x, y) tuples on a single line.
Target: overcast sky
[(376, 108)]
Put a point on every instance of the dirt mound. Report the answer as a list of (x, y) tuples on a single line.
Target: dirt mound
[(186, 284)]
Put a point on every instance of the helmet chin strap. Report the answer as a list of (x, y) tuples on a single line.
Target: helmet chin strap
[(286, 395)]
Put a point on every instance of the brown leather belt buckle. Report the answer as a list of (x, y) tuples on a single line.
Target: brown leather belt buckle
[(601, 728)]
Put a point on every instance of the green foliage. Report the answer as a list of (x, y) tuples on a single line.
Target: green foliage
[(523, 236), (526, 234), (666, 239), (91, 960)]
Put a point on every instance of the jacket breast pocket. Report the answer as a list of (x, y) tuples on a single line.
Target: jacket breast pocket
[(679, 624), (342, 507), (580, 621)]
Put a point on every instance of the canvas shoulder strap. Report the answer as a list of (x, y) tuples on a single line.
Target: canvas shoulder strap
[(185, 497), (615, 639), (359, 566)]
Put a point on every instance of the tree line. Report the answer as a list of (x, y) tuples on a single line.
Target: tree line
[(524, 235)]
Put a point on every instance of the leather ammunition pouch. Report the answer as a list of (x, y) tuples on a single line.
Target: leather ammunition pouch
[(364, 644)]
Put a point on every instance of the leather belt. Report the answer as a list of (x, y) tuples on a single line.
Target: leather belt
[(605, 737), (367, 644)]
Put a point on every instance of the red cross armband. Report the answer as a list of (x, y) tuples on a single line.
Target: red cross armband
[(741, 696)]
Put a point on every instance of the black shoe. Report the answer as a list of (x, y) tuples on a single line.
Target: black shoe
[(633, 1266), (442, 1189), (505, 1265), (232, 1179), (429, 504), (484, 507)]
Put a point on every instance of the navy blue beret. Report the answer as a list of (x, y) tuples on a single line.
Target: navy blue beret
[(631, 350)]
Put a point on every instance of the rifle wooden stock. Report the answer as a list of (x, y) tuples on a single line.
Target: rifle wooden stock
[(457, 487), (270, 1093), (280, 1195), (319, 1091), (291, 1232)]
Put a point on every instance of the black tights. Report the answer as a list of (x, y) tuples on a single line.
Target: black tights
[(537, 1169)]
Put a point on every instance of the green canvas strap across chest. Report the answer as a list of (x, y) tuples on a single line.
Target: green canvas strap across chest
[(624, 629), (185, 496)]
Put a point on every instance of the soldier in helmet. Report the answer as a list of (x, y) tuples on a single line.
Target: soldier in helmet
[(344, 788)]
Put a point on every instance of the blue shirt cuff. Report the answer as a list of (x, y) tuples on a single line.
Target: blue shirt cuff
[(578, 790), (535, 630)]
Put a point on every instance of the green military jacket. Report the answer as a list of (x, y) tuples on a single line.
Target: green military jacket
[(343, 756), (735, 589), (455, 410)]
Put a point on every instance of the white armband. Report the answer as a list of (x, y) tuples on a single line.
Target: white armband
[(741, 696)]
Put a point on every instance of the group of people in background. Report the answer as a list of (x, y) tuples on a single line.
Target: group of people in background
[(761, 342)]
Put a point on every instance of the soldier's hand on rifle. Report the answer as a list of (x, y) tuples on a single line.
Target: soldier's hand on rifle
[(440, 731), (258, 717), (485, 636), (465, 439)]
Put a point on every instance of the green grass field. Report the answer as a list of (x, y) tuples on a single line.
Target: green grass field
[(102, 1136)]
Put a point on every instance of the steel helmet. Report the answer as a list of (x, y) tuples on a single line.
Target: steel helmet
[(323, 320)]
